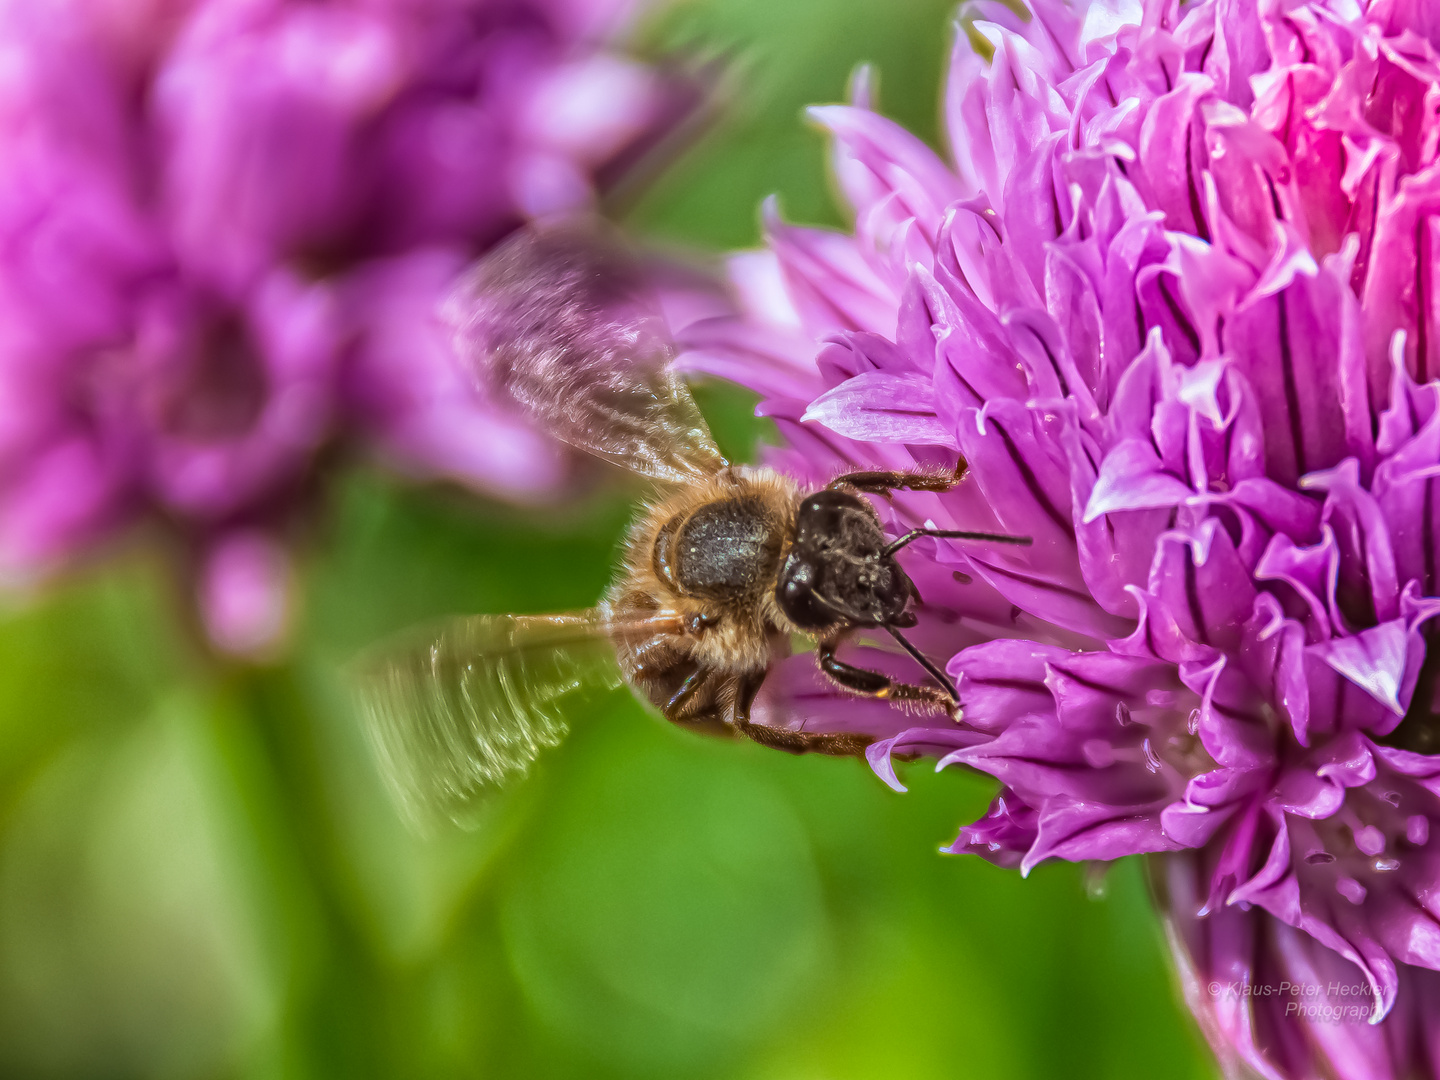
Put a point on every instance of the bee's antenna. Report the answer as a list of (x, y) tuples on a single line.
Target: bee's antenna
[(956, 534), (925, 662)]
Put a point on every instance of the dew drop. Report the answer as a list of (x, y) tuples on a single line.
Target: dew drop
[(1096, 883), (1392, 797), (1122, 713), (1417, 829), (1098, 753), (1152, 762), (1370, 840), (1385, 865), (1194, 723), (1319, 858), (1351, 889)]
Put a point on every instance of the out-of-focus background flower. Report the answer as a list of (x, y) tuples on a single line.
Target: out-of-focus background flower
[(201, 874)]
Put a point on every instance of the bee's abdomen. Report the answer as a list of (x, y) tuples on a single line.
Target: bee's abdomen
[(725, 548)]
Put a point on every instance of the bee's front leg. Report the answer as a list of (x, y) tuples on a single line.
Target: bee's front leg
[(877, 684), (883, 481)]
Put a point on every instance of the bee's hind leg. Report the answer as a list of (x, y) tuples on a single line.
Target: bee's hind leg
[(681, 702)]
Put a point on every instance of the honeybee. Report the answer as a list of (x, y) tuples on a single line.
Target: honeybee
[(721, 570)]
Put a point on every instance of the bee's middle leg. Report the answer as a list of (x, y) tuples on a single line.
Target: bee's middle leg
[(746, 687), (835, 744)]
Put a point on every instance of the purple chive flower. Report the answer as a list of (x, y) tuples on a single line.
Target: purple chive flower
[(225, 226), (1172, 297)]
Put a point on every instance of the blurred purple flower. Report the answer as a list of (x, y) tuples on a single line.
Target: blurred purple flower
[(225, 226), (1173, 300)]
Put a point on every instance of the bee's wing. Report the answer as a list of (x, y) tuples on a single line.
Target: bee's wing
[(465, 707), (558, 322)]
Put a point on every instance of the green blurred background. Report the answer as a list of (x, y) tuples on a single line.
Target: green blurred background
[(201, 875)]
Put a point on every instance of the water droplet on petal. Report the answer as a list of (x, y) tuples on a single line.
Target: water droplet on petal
[(1096, 885), (1370, 840), (1385, 865), (1152, 762), (246, 594), (1193, 725), (1351, 889), (1417, 829), (1392, 797), (1099, 754)]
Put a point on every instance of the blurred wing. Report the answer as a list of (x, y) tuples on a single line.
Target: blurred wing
[(559, 323), (467, 707)]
